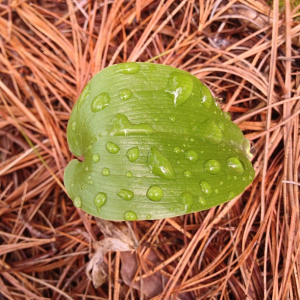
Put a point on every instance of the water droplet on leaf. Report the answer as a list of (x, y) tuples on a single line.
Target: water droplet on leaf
[(100, 200), (160, 165), (191, 156), (246, 148), (206, 100), (96, 158), (205, 187), (235, 165), (133, 154), (155, 193), (100, 102), (130, 216), (73, 126), (221, 126), (77, 202), (227, 115), (125, 194), (112, 147), (128, 174), (121, 126), (201, 200), (105, 172), (187, 174), (187, 200), (128, 68), (212, 167), (176, 150), (179, 87), (125, 94), (212, 132)]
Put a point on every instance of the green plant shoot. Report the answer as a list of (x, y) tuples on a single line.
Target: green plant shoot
[(152, 144)]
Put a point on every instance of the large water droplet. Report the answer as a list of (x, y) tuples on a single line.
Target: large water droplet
[(133, 154), (84, 95), (105, 172), (128, 68), (187, 200), (205, 187), (212, 132), (191, 156), (160, 165), (100, 200), (125, 94), (130, 216), (125, 194), (96, 158), (73, 126), (172, 119), (121, 126), (235, 165), (112, 147), (100, 102), (187, 174), (155, 193), (212, 167), (77, 202), (179, 87)]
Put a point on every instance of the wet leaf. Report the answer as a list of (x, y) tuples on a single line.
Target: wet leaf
[(154, 145)]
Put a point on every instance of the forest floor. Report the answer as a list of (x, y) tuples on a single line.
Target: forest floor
[(246, 52)]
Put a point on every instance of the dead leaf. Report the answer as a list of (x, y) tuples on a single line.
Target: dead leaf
[(117, 238)]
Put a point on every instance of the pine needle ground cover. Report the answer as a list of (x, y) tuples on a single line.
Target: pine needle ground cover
[(246, 52)]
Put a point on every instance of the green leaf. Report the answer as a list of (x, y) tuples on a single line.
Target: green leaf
[(153, 145)]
